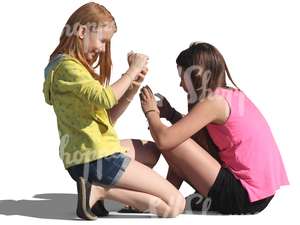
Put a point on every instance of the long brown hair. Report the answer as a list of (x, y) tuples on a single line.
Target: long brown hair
[(204, 59), (92, 15)]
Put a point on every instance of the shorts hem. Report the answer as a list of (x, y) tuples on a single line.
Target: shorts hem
[(121, 170)]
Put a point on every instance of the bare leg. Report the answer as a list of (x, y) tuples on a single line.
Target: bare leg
[(188, 161), (142, 151), (152, 183), (150, 191), (194, 164), (147, 153), (174, 178), (139, 200)]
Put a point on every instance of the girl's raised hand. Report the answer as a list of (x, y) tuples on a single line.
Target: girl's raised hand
[(137, 62), (148, 101)]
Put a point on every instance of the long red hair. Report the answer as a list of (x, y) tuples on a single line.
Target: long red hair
[(88, 14)]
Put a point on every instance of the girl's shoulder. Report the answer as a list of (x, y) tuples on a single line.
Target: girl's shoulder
[(68, 59), (67, 68), (227, 91), (229, 94), (70, 63), (227, 88)]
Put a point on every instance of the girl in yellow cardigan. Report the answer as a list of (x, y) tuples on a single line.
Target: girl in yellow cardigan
[(87, 108)]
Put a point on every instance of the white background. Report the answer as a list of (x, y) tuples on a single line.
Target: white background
[(259, 40)]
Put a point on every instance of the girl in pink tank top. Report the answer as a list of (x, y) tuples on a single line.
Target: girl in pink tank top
[(249, 169), (247, 146)]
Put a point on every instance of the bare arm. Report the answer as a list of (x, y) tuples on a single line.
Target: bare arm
[(125, 89), (123, 104), (125, 100), (174, 179), (137, 63), (205, 112), (121, 86)]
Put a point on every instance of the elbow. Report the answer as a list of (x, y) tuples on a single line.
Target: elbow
[(112, 116), (164, 147), (108, 99), (113, 122), (163, 144), (160, 146), (162, 139), (108, 104)]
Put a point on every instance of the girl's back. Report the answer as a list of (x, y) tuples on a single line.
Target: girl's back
[(247, 146)]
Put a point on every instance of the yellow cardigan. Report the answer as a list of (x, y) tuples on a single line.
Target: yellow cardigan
[(80, 103)]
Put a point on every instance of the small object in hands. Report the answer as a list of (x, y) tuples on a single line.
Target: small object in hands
[(159, 99)]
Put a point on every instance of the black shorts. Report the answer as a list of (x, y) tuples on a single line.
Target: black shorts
[(228, 196)]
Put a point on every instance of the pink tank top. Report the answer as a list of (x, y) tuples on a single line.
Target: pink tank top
[(247, 147)]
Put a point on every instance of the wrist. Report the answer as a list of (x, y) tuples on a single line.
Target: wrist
[(128, 76), (129, 95), (131, 92), (150, 112), (132, 72)]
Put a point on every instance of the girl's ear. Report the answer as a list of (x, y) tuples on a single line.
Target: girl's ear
[(82, 30)]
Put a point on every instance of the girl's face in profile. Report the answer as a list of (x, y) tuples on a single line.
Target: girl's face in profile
[(182, 83), (94, 43)]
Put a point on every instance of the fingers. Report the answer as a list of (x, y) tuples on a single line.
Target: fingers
[(147, 92), (149, 89), (144, 93), (139, 80), (145, 70), (136, 83), (143, 98), (140, 77), (129, 56), (130, 53)]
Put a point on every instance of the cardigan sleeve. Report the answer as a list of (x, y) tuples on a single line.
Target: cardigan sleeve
[(74, 77)]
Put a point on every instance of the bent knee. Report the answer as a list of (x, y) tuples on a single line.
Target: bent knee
[(151, 153)]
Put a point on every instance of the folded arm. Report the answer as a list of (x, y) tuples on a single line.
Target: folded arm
[(202, 114)]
